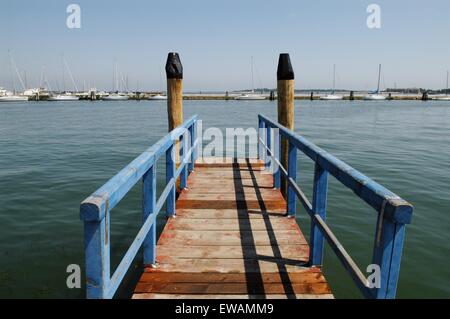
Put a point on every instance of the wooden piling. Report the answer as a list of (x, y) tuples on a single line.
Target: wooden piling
[(352, 96), (272, 96), (285, 91), (174, 72)]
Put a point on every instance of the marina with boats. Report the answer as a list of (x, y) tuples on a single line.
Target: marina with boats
[(121, 91), (43, 94)]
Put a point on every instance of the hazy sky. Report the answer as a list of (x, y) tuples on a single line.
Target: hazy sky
[(216, 40)]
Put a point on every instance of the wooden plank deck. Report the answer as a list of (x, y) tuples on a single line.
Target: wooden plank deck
[(231, 240)]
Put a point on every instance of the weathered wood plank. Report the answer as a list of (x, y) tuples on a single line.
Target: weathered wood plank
[(299, 251), (238, 265), (235, 169), (199, 181), (226, 189), (230, 174), (233, 288), (230, 213), (210, 224), (212, 162), (263, 197), (230, 238), (308, 275), (232, 204)]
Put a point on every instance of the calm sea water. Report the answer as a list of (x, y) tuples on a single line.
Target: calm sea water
[(53, 155)]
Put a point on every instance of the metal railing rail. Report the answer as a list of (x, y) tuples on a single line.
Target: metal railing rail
[(95, 210), (393, 212)]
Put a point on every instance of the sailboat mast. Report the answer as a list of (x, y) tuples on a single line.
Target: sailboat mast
[(117, 78), (25, 78), (253, 85), (446, 91), (66, 65), (41, 78), (379, 77), (11, 71), (334, 78), (14, 66), (114, 76), (63, 75), (160, 79)]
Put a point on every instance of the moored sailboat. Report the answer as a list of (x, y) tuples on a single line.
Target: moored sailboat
[(250, 96), (116, 95), (446, 97), (158, 97), (13, 98), (7, 96), (333, 96), (376, 96), (65, 96)]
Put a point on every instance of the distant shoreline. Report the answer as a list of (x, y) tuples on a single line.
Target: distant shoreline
[(211, 97), (357, 96), (299, 97)]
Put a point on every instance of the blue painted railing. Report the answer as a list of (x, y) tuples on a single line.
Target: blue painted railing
[(95, 210), (393, 212)]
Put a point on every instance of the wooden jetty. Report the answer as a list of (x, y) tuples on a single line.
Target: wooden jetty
[(231, 232), (231, 239)]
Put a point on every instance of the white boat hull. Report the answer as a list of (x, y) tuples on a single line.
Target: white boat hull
[(331, 97), (158, 97), (116, 98), (442, 98), (374, 97), (63, 98), (13, 98), (250, 97)]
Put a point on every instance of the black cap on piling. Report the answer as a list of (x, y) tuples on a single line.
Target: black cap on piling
[(174, 69), (285, 70)]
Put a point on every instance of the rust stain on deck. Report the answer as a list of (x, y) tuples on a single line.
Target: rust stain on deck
[(230, 239)]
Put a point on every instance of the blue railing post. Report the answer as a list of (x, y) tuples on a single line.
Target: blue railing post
[(277, 152), (394, 212), (269, 147), (260, 138), (148, 208), (198, 131), (170, 174), (192, 141), (387, 255), (96, 247), (292, 174), (95, 213), (184, 144), (319, 207)]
